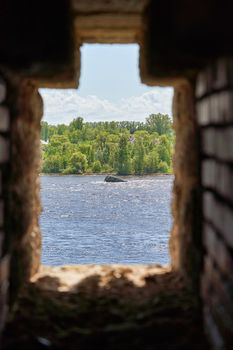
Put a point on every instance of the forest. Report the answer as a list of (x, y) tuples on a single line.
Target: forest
[(119, 147)]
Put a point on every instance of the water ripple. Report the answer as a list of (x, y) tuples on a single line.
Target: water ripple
[(86, 220)]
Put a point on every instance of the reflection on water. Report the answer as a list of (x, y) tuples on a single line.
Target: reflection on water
[(86, 220)]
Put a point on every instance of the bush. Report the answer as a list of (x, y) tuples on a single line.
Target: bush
[(52, 164), (96, 168), (69, 170), (163, 168), (78, 162)]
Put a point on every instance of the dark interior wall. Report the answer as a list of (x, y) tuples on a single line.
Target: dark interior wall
[(182, 36), (37, 39), (214, 96)]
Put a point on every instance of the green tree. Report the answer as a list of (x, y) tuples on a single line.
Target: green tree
[(44, 131), (96, 167), (53, 164), (123, 160), (164, 149), (139, 157), (151, 164), (160, 123), (78, 162), (123, 147), (76, 124)]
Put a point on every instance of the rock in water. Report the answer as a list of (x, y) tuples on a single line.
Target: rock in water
[(110, 178)]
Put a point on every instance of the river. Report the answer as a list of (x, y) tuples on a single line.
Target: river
[(88, 221)]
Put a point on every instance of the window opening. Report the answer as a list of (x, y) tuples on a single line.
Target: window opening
[(111, 125)]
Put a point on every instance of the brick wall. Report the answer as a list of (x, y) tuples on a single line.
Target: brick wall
[(214, 95)]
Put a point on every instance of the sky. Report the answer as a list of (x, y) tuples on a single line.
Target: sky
[(109, 89)]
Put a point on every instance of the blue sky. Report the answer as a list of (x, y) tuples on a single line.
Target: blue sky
[(109, 89)]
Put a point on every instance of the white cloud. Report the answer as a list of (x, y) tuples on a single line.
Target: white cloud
[(62, 106)]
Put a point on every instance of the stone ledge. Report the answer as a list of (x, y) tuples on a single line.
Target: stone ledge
[(69, 278)]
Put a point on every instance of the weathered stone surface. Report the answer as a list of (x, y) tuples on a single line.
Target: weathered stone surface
[(216, 339), (220, 215), (133, 302), (109, 6), (214, 243), (202, 83), (1, 212), (209, 173), (22, 186), (68, 278), (217, 297), (1, 241), (222, 73), (218, 143), (209, 146), (224, 182), (186, 201), (4, 119), (4, 150), (111, 178), (4, 268), (2, 90)]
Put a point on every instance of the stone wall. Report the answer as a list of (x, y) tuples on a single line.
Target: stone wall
[(20, 241), (185, 236), (4, 167), (215, 118)]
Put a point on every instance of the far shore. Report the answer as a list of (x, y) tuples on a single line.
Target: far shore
[(105, 174)]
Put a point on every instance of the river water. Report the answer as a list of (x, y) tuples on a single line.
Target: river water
[(86, 220)]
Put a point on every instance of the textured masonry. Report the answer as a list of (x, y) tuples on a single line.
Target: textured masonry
[(4, 162), (20, 241), (194, 34), (215, 118)]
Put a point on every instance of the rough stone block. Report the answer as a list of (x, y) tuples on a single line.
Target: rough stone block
[(4, 150), (203, 83), (208, 205), (227, 225), (1, 213), (222, 73), (224, 183), (3, 311), (217, 296), (1, 241), (3, 304), (4, 119), (214, 113), (209, 175), (4, 268), (220, 215), (2, 90), (206, 281), (224, 144), (203, 114), (209, 144), (218, 249), (212, 330), (225, 106), (216, 109), (4, 285)]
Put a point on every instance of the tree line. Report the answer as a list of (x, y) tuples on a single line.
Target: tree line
[(121, 147)]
